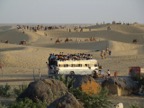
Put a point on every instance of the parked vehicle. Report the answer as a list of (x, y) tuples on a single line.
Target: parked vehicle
[(82, 67)]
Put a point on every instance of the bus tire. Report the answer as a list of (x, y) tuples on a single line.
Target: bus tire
[(72, 73)]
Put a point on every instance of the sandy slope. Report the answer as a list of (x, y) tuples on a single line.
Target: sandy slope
[(34, 55)]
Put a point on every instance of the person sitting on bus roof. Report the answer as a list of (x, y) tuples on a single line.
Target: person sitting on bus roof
[(49, 57), (78, 56)]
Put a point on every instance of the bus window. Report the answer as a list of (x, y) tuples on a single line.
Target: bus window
[(87, 65), (65, 65), (79, 65), (73, 65)]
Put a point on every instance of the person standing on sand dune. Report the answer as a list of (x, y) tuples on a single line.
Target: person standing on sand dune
[(105, 54), (109, 52), (102, 54), (108, 73)]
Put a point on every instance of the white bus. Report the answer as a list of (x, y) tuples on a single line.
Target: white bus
[(81, 67)]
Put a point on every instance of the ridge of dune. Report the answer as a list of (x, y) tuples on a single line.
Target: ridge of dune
[(121, 28), (109, 35), (127, 29), (30, 58), (13, 36), (6, 28), (140, 26), (121, 48), (32, 36)]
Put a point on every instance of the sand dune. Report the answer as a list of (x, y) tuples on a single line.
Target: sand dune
[(122, 28), (5, 28), (127, 29), (35, 53), (116, 34), (120, 48), (13, 36)]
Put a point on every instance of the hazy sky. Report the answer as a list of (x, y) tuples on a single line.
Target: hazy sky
[(71, 11)]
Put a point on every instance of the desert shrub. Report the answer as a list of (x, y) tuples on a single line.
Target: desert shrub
[(134, 106), (68, 81), (27, 103), (5, 90), (92, 101), (2, 106), (91, 87), (89, 100), (141, 80), (19, 90)]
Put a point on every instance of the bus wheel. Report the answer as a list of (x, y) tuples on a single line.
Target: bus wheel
[(72, 73)]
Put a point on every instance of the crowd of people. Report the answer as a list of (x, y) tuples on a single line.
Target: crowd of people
[(101, 73), (53, 58), (38, 27), (105, 53), (79, 56)]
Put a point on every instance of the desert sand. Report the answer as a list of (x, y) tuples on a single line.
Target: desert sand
[(25, 59)]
